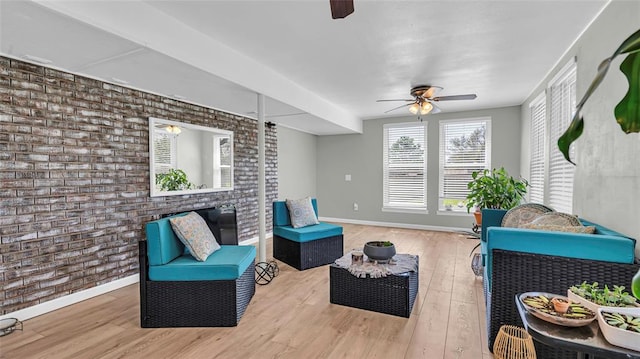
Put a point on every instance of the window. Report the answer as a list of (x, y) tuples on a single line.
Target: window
[(563, 104), (165, 151), (465, 147), (404, 167), (537, 150)]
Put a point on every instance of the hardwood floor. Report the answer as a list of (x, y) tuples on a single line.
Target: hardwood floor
[(289, 318)]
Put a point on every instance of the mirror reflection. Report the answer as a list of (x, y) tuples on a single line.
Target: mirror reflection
[(186, 158)]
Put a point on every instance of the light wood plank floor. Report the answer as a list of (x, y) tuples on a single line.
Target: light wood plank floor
[(289, 318)]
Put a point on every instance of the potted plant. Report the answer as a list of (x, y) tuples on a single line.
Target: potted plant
[(174, 180), (379, 250), (494, 189), (593, 296), (621, 326)]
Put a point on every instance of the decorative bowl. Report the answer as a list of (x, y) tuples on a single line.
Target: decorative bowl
[(549, 315), (379, 250), (616, 336)]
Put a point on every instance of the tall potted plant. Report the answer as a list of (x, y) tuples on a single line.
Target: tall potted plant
[(494, 189)]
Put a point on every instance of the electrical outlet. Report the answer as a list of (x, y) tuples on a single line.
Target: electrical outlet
[(355, 206)]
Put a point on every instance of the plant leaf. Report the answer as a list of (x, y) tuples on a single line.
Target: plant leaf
[(573, 132), (631, 44), (628, 110)]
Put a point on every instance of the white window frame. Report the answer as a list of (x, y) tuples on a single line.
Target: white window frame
[(562, 104), (478, 166), (538, 148), (389, 204)]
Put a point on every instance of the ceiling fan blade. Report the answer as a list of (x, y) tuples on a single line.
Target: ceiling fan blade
[(396, 100), (399, 107), (455, 97), (431, 91), (341, 8)]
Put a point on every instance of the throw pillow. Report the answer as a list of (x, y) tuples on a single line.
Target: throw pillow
[(301, 212), (558, 228), (523, 214), (194, 233), (557, 219)]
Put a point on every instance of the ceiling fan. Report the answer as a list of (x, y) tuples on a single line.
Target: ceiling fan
[(341, 8), (423, 100)]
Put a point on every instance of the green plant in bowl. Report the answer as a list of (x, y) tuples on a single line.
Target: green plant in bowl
[(602, 296)]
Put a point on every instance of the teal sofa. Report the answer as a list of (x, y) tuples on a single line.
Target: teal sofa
[(525, 260), (306, 247), (176, 290)]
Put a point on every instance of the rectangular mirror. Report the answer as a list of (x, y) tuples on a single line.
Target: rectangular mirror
[(186, 158)]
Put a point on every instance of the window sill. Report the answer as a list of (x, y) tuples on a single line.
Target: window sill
[(454, 213), (405, 210)]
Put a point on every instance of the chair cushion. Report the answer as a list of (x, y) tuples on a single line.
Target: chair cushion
[(309, 233), (162, 244), (281, 213), (195, 235), (227, 263)]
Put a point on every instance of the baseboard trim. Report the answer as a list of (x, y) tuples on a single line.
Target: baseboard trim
[(50, 306), (395, 225)]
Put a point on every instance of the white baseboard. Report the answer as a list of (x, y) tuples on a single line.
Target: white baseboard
[(395, 225), (50, 306), (254, 240)]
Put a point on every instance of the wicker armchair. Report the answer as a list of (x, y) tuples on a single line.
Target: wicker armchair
[(518, 272), (216, 303), (325, 246)]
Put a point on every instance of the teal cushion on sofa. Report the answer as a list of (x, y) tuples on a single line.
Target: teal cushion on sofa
[(162, 244), (227, 263), (309, 233), (602, 247)]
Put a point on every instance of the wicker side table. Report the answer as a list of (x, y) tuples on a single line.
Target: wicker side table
[(394, 294)]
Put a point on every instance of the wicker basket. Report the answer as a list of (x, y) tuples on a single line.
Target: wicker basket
[(513, 343)]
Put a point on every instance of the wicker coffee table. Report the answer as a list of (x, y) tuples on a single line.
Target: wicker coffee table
[(393, 294)]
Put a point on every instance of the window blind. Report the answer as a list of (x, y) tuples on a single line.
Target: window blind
[(563, 104), (404, 169), (464, 149), (164, 148), (537, 149)]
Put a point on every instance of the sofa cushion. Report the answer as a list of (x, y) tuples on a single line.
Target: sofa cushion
[(227, 263), (301, 212), (309, 233), (162, 244), (194, 233)]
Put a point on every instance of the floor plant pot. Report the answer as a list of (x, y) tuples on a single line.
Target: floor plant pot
[(379, 250)]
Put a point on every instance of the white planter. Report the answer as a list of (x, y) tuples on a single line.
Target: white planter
[(616, 336), (588, 304)]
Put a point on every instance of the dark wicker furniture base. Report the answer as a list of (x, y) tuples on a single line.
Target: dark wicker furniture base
[(305, 255), (218, 303), (394, 294), (517, 272)]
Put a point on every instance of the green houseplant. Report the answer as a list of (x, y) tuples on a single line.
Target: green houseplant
[(495, 189), (174, 180)]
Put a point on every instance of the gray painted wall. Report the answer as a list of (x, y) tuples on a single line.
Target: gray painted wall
[(607, 178), (360, 155), (296, 164)]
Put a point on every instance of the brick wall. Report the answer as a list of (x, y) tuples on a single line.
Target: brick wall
[(74, 169)]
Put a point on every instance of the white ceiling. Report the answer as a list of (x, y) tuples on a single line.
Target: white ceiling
[(319, 75)]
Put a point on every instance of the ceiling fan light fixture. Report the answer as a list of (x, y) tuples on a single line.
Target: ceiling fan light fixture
[(414, 108), (426, 107), (173, 129)]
